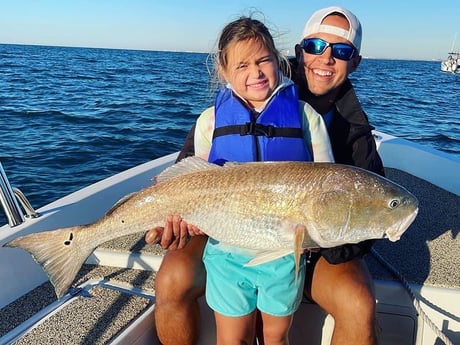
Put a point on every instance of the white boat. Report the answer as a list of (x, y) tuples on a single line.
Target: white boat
[(417, 279), (451, 64)]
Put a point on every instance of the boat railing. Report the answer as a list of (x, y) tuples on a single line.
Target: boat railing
[(14, 202)]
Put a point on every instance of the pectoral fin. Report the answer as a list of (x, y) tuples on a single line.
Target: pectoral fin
[(299, 234), (267, 256)]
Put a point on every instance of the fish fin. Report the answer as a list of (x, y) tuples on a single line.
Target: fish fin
[(185, 166), (120, 202), (58, 254), (266, 256), (231, 164), (299, 234)]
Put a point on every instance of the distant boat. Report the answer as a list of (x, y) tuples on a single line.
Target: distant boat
[(452, 63)]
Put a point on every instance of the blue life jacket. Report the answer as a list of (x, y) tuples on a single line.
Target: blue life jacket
[(274, 135)]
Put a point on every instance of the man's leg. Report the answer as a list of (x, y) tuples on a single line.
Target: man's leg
[(178, 285), (346, 291)]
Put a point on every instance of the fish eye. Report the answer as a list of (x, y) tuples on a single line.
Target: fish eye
[(394, 203)]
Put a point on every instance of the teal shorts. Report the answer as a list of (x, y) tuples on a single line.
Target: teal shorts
[(233, 289)]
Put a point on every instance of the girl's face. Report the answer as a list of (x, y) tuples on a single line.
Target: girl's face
[(252, 71)]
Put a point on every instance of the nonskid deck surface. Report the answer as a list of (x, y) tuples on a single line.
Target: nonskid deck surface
[(426, 254), (113, 298)]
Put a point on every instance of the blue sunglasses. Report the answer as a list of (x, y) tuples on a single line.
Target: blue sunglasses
[(317, 46)]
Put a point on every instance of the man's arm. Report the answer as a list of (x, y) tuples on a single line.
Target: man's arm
[(189, 147), (175, 233)]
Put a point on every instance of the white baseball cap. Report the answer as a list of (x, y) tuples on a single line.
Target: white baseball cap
[(353, 34)]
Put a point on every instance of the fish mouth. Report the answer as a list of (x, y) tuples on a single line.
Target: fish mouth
[(395, 233)]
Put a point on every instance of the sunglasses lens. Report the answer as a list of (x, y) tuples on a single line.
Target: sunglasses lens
[(314, 46), (317, 46), (342, 51)]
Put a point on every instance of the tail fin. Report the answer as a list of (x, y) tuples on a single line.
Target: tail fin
[(58, 253)]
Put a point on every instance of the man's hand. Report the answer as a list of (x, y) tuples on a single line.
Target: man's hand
[(175, 234)]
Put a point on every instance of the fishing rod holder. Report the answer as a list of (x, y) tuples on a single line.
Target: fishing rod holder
[(14, 202)]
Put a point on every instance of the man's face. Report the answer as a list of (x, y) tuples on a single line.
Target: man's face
[(324, 73)]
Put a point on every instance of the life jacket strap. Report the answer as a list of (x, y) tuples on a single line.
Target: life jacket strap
[(257, 129)]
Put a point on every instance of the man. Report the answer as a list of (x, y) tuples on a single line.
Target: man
[(337, 278)]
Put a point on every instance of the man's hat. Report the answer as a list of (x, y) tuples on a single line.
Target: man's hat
[(353, 34)]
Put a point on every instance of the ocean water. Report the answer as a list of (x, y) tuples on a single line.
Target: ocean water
[(72, 116), (413, 100)]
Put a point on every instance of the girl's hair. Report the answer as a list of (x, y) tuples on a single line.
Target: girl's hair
[(243, 29)]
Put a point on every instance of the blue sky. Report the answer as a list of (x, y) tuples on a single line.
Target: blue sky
[(423, 30)]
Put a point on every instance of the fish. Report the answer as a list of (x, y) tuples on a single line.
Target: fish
[(272, 208)]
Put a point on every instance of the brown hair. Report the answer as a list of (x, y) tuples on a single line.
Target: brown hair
[(243, 29)]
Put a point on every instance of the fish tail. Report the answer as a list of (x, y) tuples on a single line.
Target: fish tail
[(299, 234), (58, 252)]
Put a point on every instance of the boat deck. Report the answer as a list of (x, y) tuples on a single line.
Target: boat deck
[(426, 254), (108, 305)]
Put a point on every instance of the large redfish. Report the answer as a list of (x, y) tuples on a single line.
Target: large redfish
[(276, 208)]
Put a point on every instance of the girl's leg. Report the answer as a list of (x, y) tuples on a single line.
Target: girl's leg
[(276, 329), (235, 330)]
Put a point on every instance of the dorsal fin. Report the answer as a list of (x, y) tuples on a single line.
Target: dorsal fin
[(231, 164), (185, 166), (120, 202)]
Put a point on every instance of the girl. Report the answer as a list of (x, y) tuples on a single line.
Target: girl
[(256, 116)]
